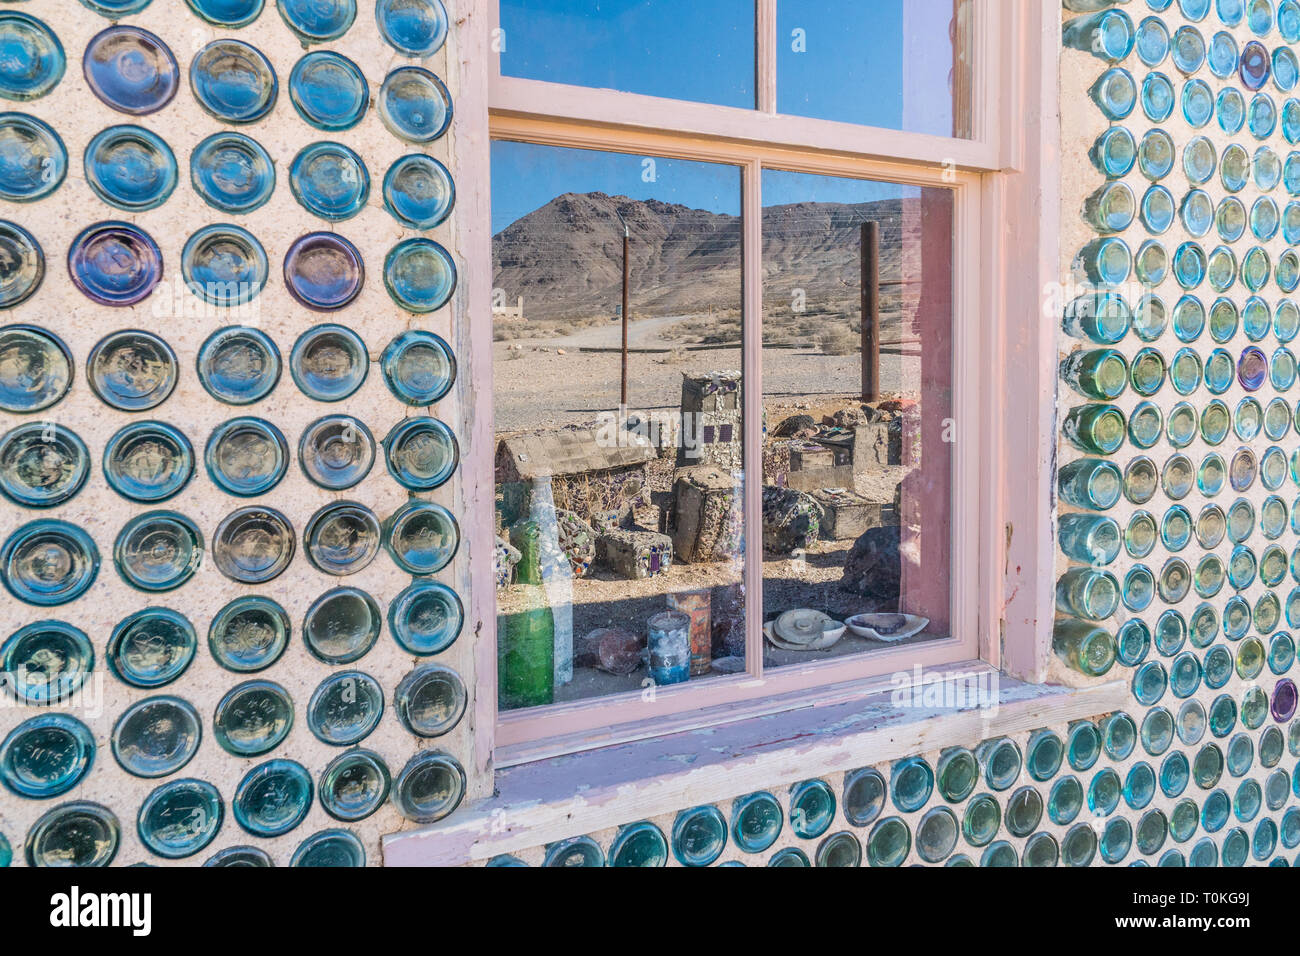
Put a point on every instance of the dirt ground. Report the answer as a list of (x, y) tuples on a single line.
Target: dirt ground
[(527, 372)]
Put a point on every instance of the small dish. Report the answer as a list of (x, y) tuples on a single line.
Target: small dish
[(887, 627), (803, 630)]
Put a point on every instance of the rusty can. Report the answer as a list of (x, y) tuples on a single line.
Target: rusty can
[(697, 606), (670, 647)]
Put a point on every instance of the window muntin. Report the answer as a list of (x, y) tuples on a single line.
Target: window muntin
[(643, 497), (894, 64), (812, 58), (857, 459), (697, 50)]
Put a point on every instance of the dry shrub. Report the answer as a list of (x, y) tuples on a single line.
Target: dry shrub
[(838, 342)]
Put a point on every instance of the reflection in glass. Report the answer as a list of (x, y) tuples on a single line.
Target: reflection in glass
[(253, 545), (24, 267), (249, 634), (430, 700), (430, 787), (131, 70), (856, 483), (74, 834), (336, 452), (152, 647), (132, 370), (709, 45), (328, 90), (419, 191), (330, 181), (246, 456), (421, 453), (315, 21), (422, 537), (35, 365), (115, 263), (419, 367), (345, 708), (239, 365), (420, 275), (224, 265), (330, 848), (273, 798), (42, 464), (227, 13), (232, 172), (342, 625), (233, 81), (413, 27), (342, 537), (414, 104), (426, 617), (323, 271), (48, 562), (46, 661), (158, 551), (253, 718), (616, 502), (180, 818), (45, 756), (34, 59), (156, 736), (353, 786), (329, 362)]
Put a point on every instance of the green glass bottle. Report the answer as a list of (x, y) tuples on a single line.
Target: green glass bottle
[(1083, 646), (1088, 593), (1097, 429), (527, 655), (1091, 483), (1096, 373)]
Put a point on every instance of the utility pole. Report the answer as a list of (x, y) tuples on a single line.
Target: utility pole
[(626, 277), (870, 311)]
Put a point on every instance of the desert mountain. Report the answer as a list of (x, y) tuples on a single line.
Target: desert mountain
[(566, 258)]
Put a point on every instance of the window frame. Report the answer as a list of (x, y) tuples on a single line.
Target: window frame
[(555, 114)]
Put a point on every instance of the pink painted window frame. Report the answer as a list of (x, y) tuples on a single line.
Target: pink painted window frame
[(1005, 423)]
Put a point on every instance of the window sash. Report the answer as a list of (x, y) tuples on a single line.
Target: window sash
[(984, 151), (577, 725)]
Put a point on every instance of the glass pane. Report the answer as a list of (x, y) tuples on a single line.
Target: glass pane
[(897, 64), (699, 50), (619, 551), (857, 457)]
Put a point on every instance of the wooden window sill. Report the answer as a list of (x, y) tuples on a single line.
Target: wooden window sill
[(560, 797)]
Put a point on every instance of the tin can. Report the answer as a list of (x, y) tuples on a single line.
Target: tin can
[(696, 605), (670, 647)]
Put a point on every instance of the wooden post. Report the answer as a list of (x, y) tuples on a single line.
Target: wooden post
[(626, 273), (870, 311)]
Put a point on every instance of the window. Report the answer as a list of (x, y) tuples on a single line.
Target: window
[(911, 54), (735, 427)]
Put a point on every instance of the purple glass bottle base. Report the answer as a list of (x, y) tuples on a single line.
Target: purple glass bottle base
[(323, 271), (114, 263)]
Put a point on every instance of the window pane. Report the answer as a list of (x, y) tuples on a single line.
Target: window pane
[(856, 496), (897, 64), (699, 50), (633, 507)]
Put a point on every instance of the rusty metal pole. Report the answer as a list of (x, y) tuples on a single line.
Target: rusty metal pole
[(626, 274), (870, 311)]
